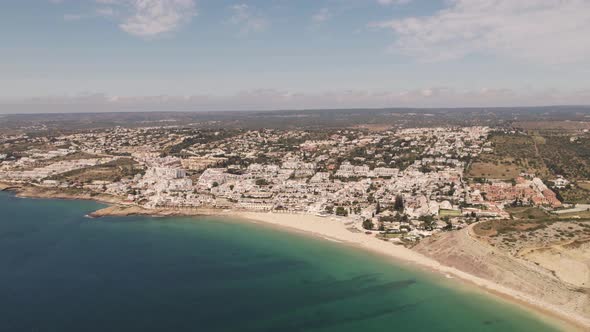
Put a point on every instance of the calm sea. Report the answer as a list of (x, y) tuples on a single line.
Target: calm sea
[(60, 271)]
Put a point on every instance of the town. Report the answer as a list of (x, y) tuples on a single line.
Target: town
[(400, 185)]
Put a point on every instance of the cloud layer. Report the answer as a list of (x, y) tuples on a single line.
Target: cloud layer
[(247, 19), (142, 18), (269, 99), (543, 31), (151, 18)]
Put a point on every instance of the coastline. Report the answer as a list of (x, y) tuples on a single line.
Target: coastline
[(28, 191), (5, 186), (334, 230), (330, 229)]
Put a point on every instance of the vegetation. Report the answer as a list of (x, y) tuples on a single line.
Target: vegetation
[(427, 221), (368, 224), (399, 204), (112, 172), (262, 182), (513, 154), (497, 227), (574, 194), (527, 213), (449, 213), (197, 137), (566, 154), (545, 153), (341, 211)]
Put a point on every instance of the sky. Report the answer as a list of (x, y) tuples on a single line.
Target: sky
[(158, 55)]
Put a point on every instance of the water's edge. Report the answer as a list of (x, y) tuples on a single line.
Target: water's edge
[(455, 285)]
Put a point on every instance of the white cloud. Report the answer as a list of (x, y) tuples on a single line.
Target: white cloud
[(151, 18), (247, 19), (393, 2), (543, 31), (270, 99), (143, 18), (322, 15)]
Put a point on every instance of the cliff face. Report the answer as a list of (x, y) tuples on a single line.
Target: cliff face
[(465, 252)]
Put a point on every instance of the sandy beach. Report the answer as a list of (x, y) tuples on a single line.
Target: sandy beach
[(335, 230)]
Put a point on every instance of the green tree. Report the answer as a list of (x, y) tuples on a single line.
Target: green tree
[(427, 222), (399, 203), (261, 182), (449, 226), (341, 211)]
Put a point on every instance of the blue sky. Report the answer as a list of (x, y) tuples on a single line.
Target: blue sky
[(267, 54)]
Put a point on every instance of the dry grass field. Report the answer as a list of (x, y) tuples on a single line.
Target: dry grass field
[(527, 213), (560, 125), (490, 170), (513, 154), (115, 170)]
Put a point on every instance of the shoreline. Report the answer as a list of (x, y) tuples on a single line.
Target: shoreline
[(338, 233), (7, 187), (38, 192), (328, 228)]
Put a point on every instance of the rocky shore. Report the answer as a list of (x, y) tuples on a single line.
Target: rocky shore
[(28, 191), (134, 210)]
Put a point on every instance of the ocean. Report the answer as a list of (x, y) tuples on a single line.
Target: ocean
[(61, 271)]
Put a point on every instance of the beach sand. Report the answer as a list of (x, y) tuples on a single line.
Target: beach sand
[(336, 230)]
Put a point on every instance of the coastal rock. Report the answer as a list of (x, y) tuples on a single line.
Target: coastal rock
[(134, 210), (122, 211), (55, 193)]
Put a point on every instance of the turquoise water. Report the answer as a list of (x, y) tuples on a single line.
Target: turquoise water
[(60, 271)]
